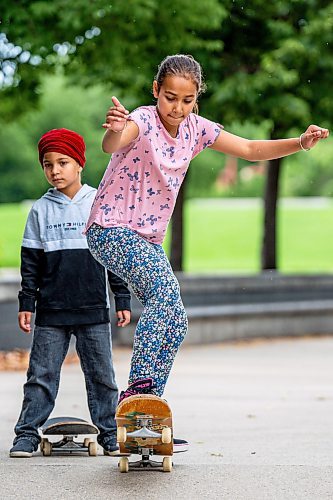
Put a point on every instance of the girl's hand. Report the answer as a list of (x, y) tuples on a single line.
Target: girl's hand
[(116, 117), (312, 135), (123, 318), (24, 320)]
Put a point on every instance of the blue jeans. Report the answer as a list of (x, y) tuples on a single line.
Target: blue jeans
[(49, 348)]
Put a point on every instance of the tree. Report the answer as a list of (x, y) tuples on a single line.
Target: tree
[(60, 105), (117, 43), (275, 65), (265, 60)]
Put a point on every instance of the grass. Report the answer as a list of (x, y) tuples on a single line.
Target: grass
[(225, 235), (12, 221), (306, 239), (221, 238)]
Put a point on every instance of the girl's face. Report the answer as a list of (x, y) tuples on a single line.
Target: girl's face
[(63, 173), (175, 101)]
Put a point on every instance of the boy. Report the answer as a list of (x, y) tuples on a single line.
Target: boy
[(69, 289)]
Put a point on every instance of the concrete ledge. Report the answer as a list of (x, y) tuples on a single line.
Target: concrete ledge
[(265, 287), (219, 308), (270, 309), (259, 320), (208, 324)]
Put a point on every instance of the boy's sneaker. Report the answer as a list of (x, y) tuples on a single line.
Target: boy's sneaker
[(113, 451), (142, 386), (180, 445), (23, 448)]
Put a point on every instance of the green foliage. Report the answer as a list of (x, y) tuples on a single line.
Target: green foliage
[(207, 167), (17, 165), (268, 63), (60, 105), (276, 64), (264, 60), (309, 174), (118, 43), (63, 105)]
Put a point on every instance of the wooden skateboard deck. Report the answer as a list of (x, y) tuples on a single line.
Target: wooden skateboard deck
[(69, 428), (144, 427)]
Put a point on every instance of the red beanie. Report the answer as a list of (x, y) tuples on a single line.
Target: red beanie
[(62, 140)]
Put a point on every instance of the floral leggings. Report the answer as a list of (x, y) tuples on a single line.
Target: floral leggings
[(163, 322)]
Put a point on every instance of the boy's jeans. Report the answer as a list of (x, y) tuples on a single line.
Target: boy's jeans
[(48, 351)]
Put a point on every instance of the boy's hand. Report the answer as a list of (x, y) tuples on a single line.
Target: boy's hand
[(123, 318), (116, 117), (24, 321), (312, 135)]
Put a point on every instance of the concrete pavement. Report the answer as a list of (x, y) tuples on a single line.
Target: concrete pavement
[(258, 416)]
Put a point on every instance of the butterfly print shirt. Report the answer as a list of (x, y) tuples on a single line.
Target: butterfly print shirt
[(142, 180)]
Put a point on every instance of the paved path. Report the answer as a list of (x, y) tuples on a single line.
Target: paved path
[(259, 417)]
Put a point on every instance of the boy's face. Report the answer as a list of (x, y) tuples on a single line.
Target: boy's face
[(62, 172)]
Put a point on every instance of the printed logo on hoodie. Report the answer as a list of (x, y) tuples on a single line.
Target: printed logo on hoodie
[(67, 226)]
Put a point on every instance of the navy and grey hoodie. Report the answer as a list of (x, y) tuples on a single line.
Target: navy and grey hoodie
[(60, 277)]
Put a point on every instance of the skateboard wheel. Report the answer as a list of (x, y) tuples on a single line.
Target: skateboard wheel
[(47, 448), (86, 442), (121, 434), (167, 464), (123, 464), (92, 449), (41, 446), (166, 435)]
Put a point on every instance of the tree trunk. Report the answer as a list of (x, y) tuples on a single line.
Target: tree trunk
[(268, 252), (177, 232)]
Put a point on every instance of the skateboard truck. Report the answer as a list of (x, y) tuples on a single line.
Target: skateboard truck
[(67, 444), (144, 433), (144, 422), (146, 462)]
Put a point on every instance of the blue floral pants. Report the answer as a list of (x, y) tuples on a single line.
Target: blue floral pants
[(163, 322)]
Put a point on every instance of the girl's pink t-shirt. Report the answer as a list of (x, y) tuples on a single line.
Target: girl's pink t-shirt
[(142, 180)]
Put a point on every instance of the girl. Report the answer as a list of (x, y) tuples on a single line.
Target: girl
[(151, 150)]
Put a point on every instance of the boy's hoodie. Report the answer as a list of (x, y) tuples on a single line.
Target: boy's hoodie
[(60, 277)]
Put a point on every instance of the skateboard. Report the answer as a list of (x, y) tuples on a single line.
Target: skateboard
[(69, 428), (144, 427)]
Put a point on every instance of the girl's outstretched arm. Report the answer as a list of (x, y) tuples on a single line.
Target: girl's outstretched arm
[(119, 131), (253, 150)]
